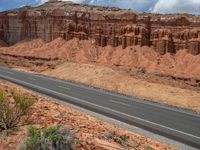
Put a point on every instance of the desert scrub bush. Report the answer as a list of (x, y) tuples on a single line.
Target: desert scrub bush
[(23, 102), (12, 108), (53, 138), (120, 139), (149, 148)]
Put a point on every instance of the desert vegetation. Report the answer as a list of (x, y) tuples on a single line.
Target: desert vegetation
[(12, 108), (52, 138)]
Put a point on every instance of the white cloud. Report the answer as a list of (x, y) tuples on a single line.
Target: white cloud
[(43, 1), (177, 6), (39, 2)]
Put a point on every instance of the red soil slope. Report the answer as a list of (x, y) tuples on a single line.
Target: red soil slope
[(181, 64)]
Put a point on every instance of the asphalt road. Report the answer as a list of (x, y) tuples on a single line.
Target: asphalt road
[(180, 125)]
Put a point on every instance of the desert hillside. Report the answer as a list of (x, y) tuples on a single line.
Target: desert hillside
[(62, 31), (151, 57), (108, 26), (134, 71), (181, 65)]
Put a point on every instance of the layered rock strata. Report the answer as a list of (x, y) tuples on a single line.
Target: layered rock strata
[(107, 26)]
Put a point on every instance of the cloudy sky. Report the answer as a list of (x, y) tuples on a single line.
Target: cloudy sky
[(156, 6)]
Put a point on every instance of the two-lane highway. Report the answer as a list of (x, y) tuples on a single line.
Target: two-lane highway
[(177, 124)]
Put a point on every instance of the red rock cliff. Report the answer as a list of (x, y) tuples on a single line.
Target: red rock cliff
[(107, 26)]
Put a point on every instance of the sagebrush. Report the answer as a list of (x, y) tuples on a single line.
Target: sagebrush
[(53, 138), (12, 108)]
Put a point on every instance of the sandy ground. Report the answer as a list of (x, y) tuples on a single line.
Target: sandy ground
[(88, 130), (106, 78)]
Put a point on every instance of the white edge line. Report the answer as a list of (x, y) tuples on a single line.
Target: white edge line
[(66, 88), (77, 99)]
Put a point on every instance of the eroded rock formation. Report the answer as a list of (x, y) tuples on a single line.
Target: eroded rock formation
[(188, 39), (107, 26), (163, 41)]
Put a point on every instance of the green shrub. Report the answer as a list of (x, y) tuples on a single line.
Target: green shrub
[(3, 110), (23, 102), (54, 138), (12, 110), (34, 141), (2, 97), (149, 148)]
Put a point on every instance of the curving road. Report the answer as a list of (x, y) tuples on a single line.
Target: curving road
[(180, 125)]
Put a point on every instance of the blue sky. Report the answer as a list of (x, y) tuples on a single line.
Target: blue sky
[(9, 4), (156, 6)]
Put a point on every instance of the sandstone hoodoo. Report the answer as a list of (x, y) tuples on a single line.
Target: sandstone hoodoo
[(108, 26)]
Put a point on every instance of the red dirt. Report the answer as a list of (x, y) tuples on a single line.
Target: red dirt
[(181, 64)]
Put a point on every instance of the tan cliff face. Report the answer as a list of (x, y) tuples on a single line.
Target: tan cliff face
[(107, 26)]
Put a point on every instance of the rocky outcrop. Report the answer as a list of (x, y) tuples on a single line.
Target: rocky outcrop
[(107, 26), (130, 35), (194, 46), (188, 39), (163, 41)]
